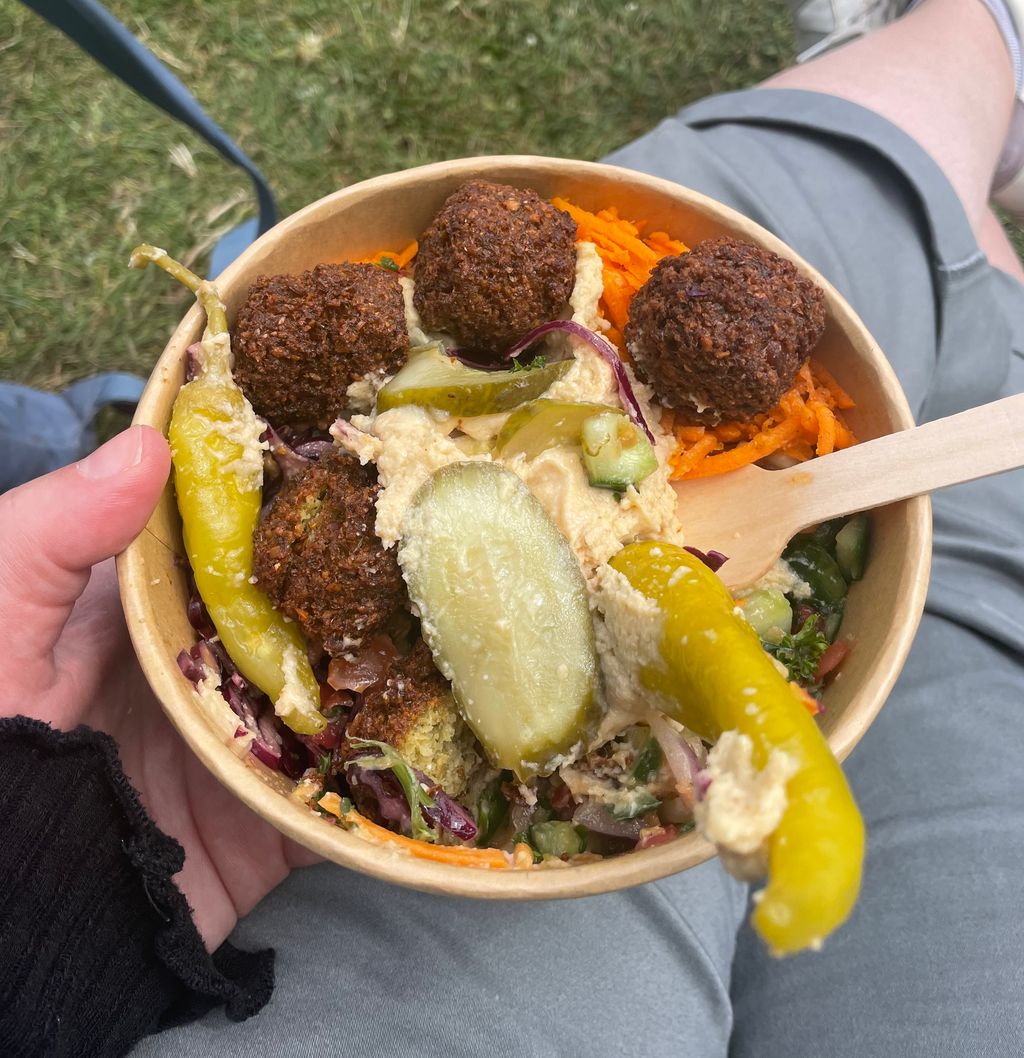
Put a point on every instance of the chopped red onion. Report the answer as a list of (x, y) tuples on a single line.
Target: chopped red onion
[(314, 449), (597, 818), (288, 459), (714, 560), (653, 836), (191, 668), (679, 757), (368, 667), (198, 618), (602, 346), (266, 754)]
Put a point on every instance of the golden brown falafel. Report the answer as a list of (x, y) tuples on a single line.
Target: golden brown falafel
[(721, 332), (495, 262), (318, 559), (413, 711), (301, 340)]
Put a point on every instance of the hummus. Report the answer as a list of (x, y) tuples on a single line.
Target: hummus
[(742, 806)]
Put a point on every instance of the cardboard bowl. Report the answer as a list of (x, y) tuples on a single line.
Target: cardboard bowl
[(883, 610)]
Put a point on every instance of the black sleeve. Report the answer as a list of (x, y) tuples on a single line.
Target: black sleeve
[(97, 944)]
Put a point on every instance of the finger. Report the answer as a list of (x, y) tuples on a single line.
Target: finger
[(54, 529)]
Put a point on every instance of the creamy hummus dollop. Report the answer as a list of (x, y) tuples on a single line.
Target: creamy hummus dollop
[(742, 806)]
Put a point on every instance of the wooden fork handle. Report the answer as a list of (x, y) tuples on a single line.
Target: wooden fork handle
[(972, 444)]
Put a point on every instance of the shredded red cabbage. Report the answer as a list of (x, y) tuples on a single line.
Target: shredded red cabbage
[(714, 560), (379, 796), (447, 812), (600, 345)]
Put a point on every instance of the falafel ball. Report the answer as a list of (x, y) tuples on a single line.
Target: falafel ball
[(495, 262), (413, 711), (316, 556), (721, 332), (300, 340)]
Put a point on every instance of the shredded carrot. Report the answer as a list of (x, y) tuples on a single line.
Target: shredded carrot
[(399, 259), (626, 254), (763, 444), (826, 430), (458, 855), (810, 703), (683, 463), (806, 422), (842, 399), (689, 434)]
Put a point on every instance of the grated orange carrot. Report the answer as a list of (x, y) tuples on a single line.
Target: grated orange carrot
[(458, 855), (400, 259), (626, 254), (806, 422), (842, 399), (761, 445), (826, 430)]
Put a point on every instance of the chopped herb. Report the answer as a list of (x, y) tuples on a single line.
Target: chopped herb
[(325, 763), (635, 804), (800, 653), (387, 262), (647, 763), (537, 361), (391, 760)]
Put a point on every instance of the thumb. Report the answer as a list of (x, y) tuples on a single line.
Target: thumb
[(54, 529)]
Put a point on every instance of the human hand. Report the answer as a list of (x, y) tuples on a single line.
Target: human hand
[(68, 660)]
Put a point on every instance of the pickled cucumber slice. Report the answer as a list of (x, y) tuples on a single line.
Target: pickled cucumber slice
[(544, 424), (615, 452), (504, 610), (432, 379)]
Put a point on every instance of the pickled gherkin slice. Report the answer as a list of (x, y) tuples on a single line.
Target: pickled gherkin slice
[(433, 380), (504, 609), (544, 424)]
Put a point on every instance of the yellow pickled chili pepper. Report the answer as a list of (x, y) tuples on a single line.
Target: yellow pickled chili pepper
[(720, 679), (218, 476)]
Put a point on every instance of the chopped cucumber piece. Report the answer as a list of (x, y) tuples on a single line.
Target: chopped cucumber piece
[(615, 452), (813, 564), (558, 838), (769, 613), (433, 380), (543, 424), (852, 547), (504, 608)]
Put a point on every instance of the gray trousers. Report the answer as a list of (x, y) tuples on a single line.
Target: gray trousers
[(932, 962)]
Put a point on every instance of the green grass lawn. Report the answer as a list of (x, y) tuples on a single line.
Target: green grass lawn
[(320, 94)]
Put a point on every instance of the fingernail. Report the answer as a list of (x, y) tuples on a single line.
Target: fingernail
[(115, 457)]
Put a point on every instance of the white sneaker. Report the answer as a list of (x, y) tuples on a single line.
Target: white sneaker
[(825, 24)]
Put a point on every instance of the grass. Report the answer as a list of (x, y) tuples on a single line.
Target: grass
[(320, 94)]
